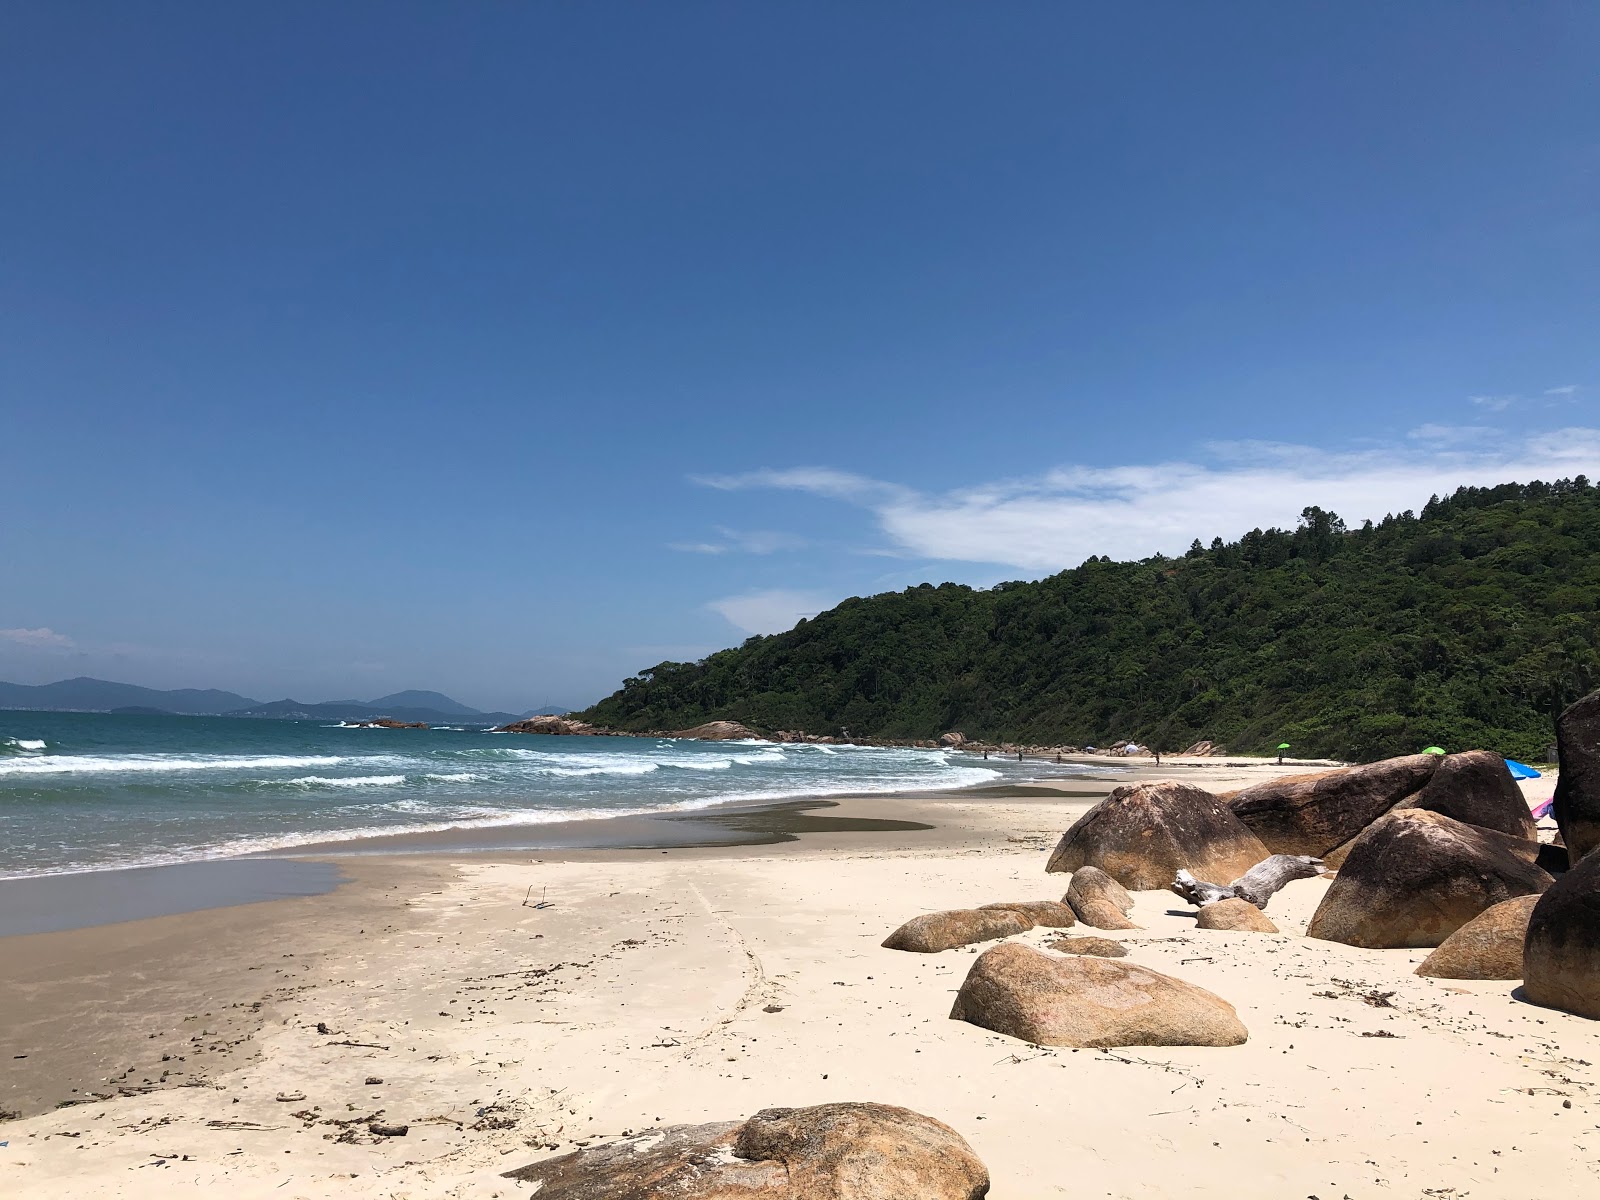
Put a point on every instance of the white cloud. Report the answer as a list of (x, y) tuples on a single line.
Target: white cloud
[(1494, 403), (1566, 389), (751, 541), (37, 639), (1055, 520), (771, 611), (1453, 435)]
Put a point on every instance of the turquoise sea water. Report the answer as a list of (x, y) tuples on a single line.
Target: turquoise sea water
[(80, 791)]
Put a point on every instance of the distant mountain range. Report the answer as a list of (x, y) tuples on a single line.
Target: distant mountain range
[(100, 695)]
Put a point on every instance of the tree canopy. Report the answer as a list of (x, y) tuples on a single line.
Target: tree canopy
[(1470, 624)]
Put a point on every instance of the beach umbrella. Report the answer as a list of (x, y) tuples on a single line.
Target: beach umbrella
[(1521, 770), (1283, 745), (1432, 750)]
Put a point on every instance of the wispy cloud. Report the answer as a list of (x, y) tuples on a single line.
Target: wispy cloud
[(770, 611), (743, 541), (1494, 403), (1565, 390), (1453, 435), (37, 639), (1057, 519)]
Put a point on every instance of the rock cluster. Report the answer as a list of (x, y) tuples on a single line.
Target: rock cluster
[(846, 1151), (560, 726)]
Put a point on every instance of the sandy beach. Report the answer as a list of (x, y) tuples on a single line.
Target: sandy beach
[(694, 983)]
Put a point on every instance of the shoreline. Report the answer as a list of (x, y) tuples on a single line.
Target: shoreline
[(704, 982)]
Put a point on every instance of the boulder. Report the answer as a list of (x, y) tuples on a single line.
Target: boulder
[(1577, 800), (1099, 900), (1476, 788), (1200, 750), (1234, 914), (1561, 956), (954, 738), (720, 731), (1143, 834), (1104, 947), (1050, 914), (1415, 877), (1313, 814), (933, 932), (827, 1152), (1487, 947), (1088, 1001)]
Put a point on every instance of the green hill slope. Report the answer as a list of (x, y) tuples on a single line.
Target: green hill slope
[(1469, 625)]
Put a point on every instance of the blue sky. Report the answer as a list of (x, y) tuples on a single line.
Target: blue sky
[(507, 348)]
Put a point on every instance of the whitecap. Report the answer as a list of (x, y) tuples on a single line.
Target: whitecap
[(75, 764), (345, 781)]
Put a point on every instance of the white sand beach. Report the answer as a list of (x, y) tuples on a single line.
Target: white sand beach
[(686, 985)]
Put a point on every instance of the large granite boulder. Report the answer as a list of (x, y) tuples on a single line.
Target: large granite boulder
[(936, 931), (827, 1152), (1415, 877), (1561, 955), (1099, 900), (1024, 993), (1475, 787), (1235, 914), (1487, 947), (1577, 801), (1048, 914), (1313, 814), (1143, 834)]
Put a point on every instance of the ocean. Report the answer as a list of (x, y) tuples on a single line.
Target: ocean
[(90, 791)]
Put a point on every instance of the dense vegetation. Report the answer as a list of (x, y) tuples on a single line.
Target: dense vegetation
[(1470, 625)]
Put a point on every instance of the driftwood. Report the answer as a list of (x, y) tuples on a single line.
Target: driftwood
[(1256, 885)]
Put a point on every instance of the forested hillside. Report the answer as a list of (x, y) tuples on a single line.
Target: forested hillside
[(1470, 625)]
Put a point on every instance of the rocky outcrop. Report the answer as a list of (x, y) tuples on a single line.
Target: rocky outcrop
[(1487, 947), (1239, 915), (720, 731), (1143, 834), (1200, 750), (389, 723), (1103, 947), (1314, 814), (933, 932), (1416, 877), (1097, 899), (954, 738), (559, 726), (1577, 800), (827, 1152), (1475, 787), (1561, 955), (1089, 1001), (1047, 914)]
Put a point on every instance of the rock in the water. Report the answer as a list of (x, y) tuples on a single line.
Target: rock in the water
[(1415, 877), (1099, 900), (720, 731), (1577, 801), (1018, 991), (1476, 788), (553, 725), (1104, 947), (1314, 814), (1234, 914), (933, 932), (1487, 947), (1048, 914), (827, 1152), (1143, 834), (1561, 956)]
